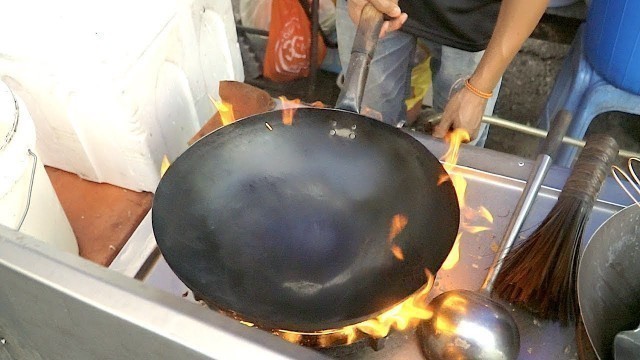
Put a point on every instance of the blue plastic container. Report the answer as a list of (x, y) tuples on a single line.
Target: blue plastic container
[(612, 42)]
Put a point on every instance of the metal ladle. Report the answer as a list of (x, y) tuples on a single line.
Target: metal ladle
[(470, 325)]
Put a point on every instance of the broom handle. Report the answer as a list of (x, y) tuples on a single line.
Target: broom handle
[(534, 182)]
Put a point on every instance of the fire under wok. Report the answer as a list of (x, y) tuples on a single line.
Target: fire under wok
[(308, 226)]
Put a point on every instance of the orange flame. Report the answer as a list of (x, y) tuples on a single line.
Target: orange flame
[(405, 315), (485, 214), (288, 109), (344, 336), (443, 179), (454, 255), (454, 304), (455, 139), (469, 215), (476, 229), (398, 223), (164, 165), (225, 110), (290, 336), (397, 252)]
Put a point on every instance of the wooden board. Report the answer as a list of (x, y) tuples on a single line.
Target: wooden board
[(102, 216)]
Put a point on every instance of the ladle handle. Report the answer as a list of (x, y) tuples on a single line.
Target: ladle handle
[(364, 45), (541, 167)]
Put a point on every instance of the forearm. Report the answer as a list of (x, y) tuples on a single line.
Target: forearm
[(516, 21)]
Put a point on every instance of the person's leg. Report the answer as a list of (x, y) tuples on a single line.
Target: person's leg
[(448, 66), (389, 79)]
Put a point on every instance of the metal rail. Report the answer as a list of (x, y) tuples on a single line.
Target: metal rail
[(529, 130)]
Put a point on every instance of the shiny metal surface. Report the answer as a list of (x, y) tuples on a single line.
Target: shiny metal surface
[(57, 306), (547, 151), (470, 325), (65, 307), (467, 325), (532, 131), (495, 180), (609, 280), (529, 194), (499, 193)]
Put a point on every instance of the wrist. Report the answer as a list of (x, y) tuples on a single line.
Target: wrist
[(481, 93), (484, 77)]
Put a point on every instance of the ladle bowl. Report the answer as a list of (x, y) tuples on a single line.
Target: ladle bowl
[(468, 325)]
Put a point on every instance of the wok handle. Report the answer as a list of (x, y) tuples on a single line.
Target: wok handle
[(364, 45), (540, 169)]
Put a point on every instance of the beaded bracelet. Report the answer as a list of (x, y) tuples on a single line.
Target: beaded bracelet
[(476, 91)]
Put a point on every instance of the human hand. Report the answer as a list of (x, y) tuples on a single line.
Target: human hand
[(464, 110), (387, 7)]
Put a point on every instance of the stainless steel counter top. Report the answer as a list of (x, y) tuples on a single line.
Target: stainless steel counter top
[(495, 181), (58, 306)]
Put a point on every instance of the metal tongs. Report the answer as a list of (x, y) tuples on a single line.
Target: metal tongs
[(631, 177)]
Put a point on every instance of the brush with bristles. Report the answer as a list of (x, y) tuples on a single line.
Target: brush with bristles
[(540, 273)]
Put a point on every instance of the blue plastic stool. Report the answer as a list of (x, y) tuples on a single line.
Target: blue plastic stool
[(583, 92)]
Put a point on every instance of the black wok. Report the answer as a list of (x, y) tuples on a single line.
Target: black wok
[(287, 226)]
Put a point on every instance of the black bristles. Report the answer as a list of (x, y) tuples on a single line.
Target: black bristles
[(541, 273)]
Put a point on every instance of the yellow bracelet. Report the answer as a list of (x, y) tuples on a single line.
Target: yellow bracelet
[(476, 91)]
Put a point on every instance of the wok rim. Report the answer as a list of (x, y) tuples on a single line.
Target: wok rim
[(268, 325)]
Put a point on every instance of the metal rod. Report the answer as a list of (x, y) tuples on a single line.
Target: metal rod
[(327, 41), (313, 67), (543, 163), (529, 194), (528, 130), (30, 191), (492, 120), (249, 30), (631, 178)]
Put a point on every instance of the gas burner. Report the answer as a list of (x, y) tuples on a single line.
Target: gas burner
[(331, 339), (335, 338)]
